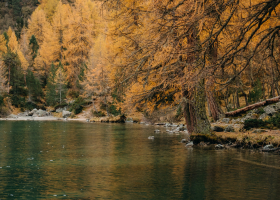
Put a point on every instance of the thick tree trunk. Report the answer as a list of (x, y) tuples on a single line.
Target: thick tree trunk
[(214, 107), (195, 111)]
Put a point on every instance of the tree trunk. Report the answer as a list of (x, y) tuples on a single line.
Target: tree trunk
[(237, 99), (107, 110), (94, 106), (195, 111), (9, 80), (60, 93), (214, 107), (253, 106)]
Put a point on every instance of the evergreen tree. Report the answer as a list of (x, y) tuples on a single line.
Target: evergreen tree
[(34, 46), (50, 90), (33, 85), (15, 78)]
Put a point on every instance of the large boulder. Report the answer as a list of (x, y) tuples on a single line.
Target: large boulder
[(12, 116), (236, 121), (32, 112), (23, 114), (264, 116), (225, 120), (41, 113), (277, 106), (229, 129), (269, 110), (66, 114), (250, 115), (59, 110)]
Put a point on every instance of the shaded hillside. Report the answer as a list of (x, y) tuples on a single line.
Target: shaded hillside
[(15, 13)]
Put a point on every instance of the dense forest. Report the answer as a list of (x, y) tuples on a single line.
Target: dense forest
[(196, 59)]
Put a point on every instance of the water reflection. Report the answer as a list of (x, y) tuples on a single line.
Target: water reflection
[(62, 160)]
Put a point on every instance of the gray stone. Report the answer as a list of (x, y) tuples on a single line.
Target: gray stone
[(218, 129), (229, 129), (59, 110), (259, 131), (225, 120), (277, 106), (41, 113), (157, 131), (249, 116), (32, 112), (267, 147), (269, 110), (183, 140), (219, 146), (235, 121), (151, 137), (256, 111), (263, 116), (24, 114), (189, 144), (12, 116), (66, 114)]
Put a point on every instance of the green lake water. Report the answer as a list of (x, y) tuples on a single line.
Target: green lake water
[(73, 160)]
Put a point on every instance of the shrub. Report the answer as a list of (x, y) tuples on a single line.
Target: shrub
[(253, 123), (30, 105), (17, 101), (258, 123), (99, 114), (257, 92), (60, 106), (1, 101), (76, 107)]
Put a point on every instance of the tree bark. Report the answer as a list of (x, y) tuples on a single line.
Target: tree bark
[(214, 107), (195, 111)]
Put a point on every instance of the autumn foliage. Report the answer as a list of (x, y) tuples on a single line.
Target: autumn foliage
[(151, 55)]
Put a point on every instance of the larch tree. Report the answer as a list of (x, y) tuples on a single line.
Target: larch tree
[(60, 25), (49, 7), (50, 89), (3, 44), (37, 25), (60, 82), (97, 81), (78, 40), (48, 53)]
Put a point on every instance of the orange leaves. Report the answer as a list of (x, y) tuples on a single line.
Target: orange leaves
[(37, 25), (3, 48)]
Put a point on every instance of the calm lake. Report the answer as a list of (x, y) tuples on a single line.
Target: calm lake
[(73, 160)]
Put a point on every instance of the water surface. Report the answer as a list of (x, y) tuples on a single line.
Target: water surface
[(73, 160)]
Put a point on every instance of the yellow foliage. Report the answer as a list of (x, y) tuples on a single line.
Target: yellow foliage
[(3, 47), (37, 25)]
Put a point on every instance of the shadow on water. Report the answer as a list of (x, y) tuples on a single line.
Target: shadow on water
[(72, 160)]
